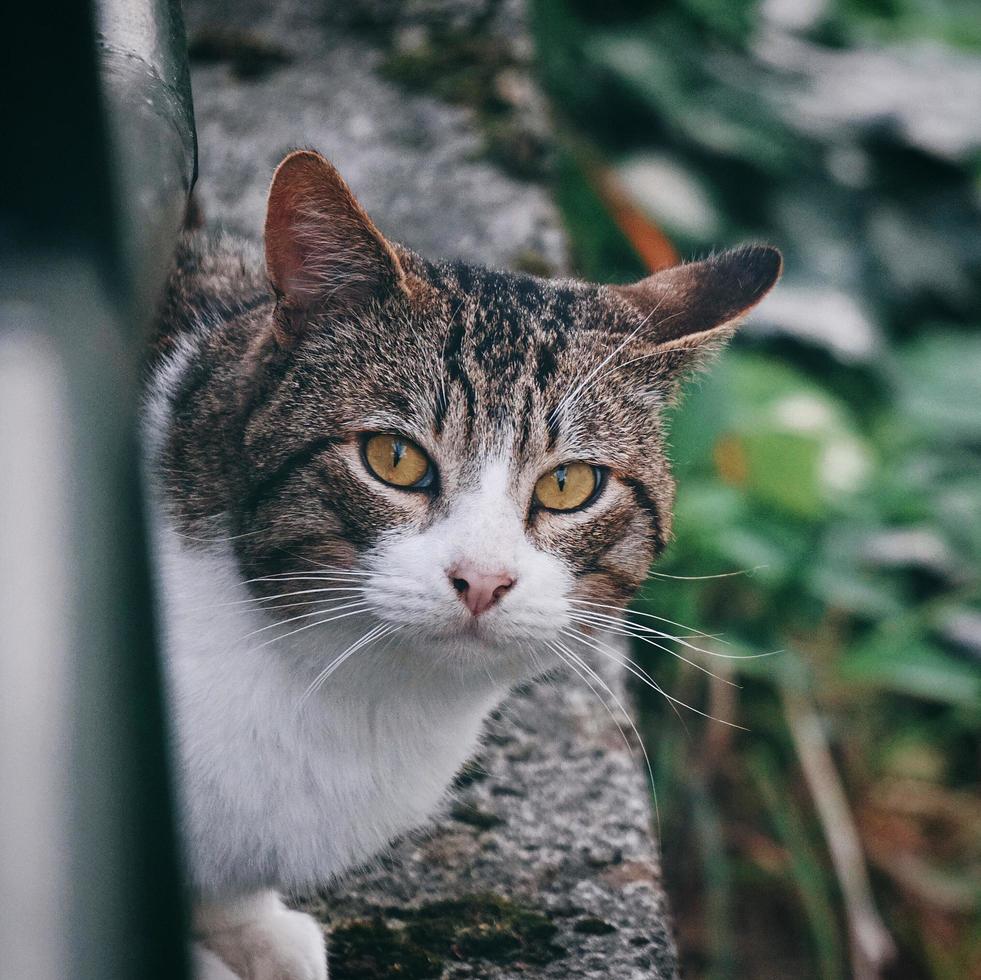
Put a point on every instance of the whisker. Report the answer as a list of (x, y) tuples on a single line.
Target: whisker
[(617, 624), (576, 389), (703, 578), (312, 561), (352, 589), (376, 632), (612, 656), (324, 609), (308, 576), (584, 672), (322, 622), (623, 622), (632, 666), (311, 579), (636, 612), (624, 630), (222, 540)]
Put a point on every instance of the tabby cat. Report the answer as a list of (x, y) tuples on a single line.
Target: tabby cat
[(381, 489)]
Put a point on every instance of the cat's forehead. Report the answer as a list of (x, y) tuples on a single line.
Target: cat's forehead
[(506, 334), (491, 363)]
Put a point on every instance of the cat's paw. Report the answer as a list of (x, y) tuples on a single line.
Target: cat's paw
[(277, 944), (207, 966)]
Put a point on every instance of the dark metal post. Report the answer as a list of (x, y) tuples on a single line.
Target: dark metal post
[(98, 165)]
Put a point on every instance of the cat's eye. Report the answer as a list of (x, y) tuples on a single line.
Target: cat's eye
[(397, 461), (569, 486)]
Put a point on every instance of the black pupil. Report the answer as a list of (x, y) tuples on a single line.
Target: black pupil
[(398, 451), (560, 478)]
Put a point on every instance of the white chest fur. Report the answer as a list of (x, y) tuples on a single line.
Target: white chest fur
[(278, 791)]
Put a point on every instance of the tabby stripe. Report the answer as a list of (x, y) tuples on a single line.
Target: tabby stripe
[(553, 427), (453, 356), (441, 410), (616, 578), (646, 504), (545, 367), (526, 416), (271, 482)]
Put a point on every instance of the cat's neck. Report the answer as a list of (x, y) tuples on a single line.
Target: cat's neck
[(374, 747)]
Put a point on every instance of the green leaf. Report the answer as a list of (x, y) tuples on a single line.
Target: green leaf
[(810, 875), (939, 387), (778, 437), (783, 468), (914, 668), (864, 594)]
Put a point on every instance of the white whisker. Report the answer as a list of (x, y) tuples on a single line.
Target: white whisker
[(222, 540), (308, 577), (381, 629), (351, 589), (316, 612), (569, 395), (703, 578), (630, 665), (625, 630), (584, 671), (605, 651), (639, 630), (635, 612), (319, 622)]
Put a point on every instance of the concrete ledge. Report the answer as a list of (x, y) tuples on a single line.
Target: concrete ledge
[(545, 865)]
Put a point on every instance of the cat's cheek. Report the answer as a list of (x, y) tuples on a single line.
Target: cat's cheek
[(607, 549)]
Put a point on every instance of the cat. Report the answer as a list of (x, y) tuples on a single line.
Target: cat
[(380, 489)]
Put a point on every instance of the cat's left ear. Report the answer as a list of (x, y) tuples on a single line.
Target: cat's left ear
[(323, 253), (690, 311)]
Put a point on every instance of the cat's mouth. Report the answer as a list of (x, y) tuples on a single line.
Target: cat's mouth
[(491, 634), (475, 628)]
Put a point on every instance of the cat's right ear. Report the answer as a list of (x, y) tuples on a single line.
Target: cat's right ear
[(323, 253)]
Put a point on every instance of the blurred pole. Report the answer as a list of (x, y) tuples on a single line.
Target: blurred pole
[(99, 161)]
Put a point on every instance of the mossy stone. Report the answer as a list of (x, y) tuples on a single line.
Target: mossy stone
[(418, 943)]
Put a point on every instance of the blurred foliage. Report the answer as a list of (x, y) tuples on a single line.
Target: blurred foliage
[(838, 464)]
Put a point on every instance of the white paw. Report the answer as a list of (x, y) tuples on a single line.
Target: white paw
[(279, 945), (207, 966)]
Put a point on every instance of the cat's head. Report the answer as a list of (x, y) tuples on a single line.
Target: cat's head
[(482, 451)]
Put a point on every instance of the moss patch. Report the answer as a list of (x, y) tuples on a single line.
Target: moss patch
[(474, 69), (475, 817), (370, 949), (249, 56), (455, 66), (416, 944)]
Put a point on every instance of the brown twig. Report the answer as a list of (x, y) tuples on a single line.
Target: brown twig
[(723, 704), (872, 947)]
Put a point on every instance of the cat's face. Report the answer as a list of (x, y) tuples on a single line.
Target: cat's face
[(481, 451), (483, 462)]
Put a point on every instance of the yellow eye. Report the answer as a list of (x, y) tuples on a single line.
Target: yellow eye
[(567, 487), (399, 462)]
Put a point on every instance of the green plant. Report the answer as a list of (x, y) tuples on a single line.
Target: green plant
[(842, 483)]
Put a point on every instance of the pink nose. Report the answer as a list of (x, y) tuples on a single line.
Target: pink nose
[(479, 590)]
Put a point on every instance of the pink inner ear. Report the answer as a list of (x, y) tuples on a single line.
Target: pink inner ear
[(321, 246)]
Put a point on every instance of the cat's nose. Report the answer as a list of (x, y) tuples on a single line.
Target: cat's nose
[(479, 590)]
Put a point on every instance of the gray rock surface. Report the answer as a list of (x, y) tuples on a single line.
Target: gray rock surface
[(545, 864), (414, 162)]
